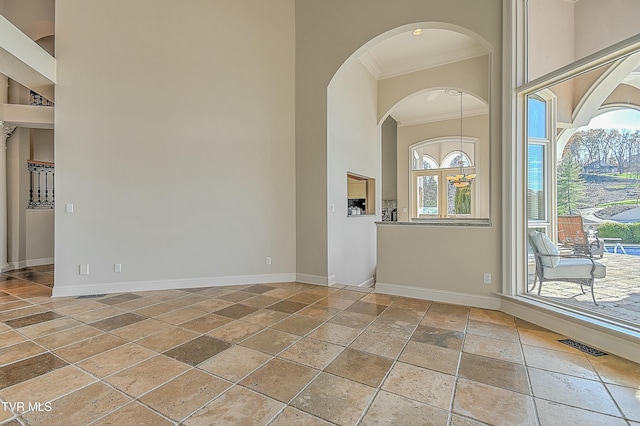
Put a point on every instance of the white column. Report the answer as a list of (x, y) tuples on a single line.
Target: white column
[(7, 129)]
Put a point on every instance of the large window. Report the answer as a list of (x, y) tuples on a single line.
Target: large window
[(577, 164)]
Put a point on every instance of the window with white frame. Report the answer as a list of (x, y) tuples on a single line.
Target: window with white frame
[(432, 193), (539, 159), (572, 86)]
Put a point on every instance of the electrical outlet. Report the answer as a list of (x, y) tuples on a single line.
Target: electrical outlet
[(117, 267), (84, 269), (487, 278), (267, 260)]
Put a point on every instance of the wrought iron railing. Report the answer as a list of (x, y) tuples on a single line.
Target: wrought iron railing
[(39, 100), (41, 184)]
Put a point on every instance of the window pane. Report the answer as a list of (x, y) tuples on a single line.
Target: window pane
[(421, 161), (427, 195), (457, 159), (428, 163), (458, 200), (535, 183), (537, 118)]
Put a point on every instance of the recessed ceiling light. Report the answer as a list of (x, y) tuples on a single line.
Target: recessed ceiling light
[(418, 32)]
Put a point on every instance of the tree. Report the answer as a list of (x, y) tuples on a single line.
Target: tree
[(616, 143), (593, 143), (571, 186), (463, 200)]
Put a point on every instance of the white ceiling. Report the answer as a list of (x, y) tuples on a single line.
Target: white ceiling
[(406, 53), (436, 105)]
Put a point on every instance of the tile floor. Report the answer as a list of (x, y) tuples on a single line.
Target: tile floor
[(290, 353)]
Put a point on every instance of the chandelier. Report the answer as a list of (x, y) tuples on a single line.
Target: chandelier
[(461, 179)]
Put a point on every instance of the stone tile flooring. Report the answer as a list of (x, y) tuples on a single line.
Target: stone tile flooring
[(618, 294), (290, 353)]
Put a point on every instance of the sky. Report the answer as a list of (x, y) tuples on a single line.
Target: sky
[(621, 119)]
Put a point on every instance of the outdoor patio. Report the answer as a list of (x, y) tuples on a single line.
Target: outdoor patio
[(618, 295)]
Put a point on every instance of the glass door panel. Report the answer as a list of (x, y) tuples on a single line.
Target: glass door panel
[(427, 196), (459, 200)]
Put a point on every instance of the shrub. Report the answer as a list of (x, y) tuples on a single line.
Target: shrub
[(628, 232)]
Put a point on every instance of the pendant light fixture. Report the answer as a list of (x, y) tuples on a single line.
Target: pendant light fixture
[(461, 179)]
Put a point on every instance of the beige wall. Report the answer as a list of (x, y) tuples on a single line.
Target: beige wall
[(182, 168), (42, 145), (35, 18), (17, 196), (40, 237), (441, 263), (325, 38), (18, 94), (550, 27), (599, 24), (561, 32), (353, 145), (389, 135)]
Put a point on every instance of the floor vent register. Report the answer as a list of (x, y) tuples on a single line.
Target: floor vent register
[(582, 347)]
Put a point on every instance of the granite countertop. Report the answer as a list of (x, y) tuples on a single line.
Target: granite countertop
[(441, 222)]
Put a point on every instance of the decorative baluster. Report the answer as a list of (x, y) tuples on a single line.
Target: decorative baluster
[(39, 193), (36, 171), (31, 177)]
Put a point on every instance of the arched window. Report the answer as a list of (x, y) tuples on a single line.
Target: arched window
[(432, 194), (422, 161), (457, 159)]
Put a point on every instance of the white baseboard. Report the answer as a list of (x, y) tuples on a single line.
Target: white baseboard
[(18, 265), (328, 281), (316, 279), (614, 340), (9, 266), (367, 283), (473, 300), (131, 286), (38, 262)]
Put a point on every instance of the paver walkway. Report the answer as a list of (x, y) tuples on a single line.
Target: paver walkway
[(618, 295)]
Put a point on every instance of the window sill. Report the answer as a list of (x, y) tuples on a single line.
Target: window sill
[(615, 337)]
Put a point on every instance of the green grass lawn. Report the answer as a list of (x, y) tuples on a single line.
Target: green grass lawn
[(619, 203), (627, 175)]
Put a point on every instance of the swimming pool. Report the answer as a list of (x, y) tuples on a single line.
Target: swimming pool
[(632, 250)]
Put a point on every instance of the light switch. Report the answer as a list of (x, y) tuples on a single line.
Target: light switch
[(68, 208), (84, 269)]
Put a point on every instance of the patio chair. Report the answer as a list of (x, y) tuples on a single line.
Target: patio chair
[(571, 234), (553, 266)]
